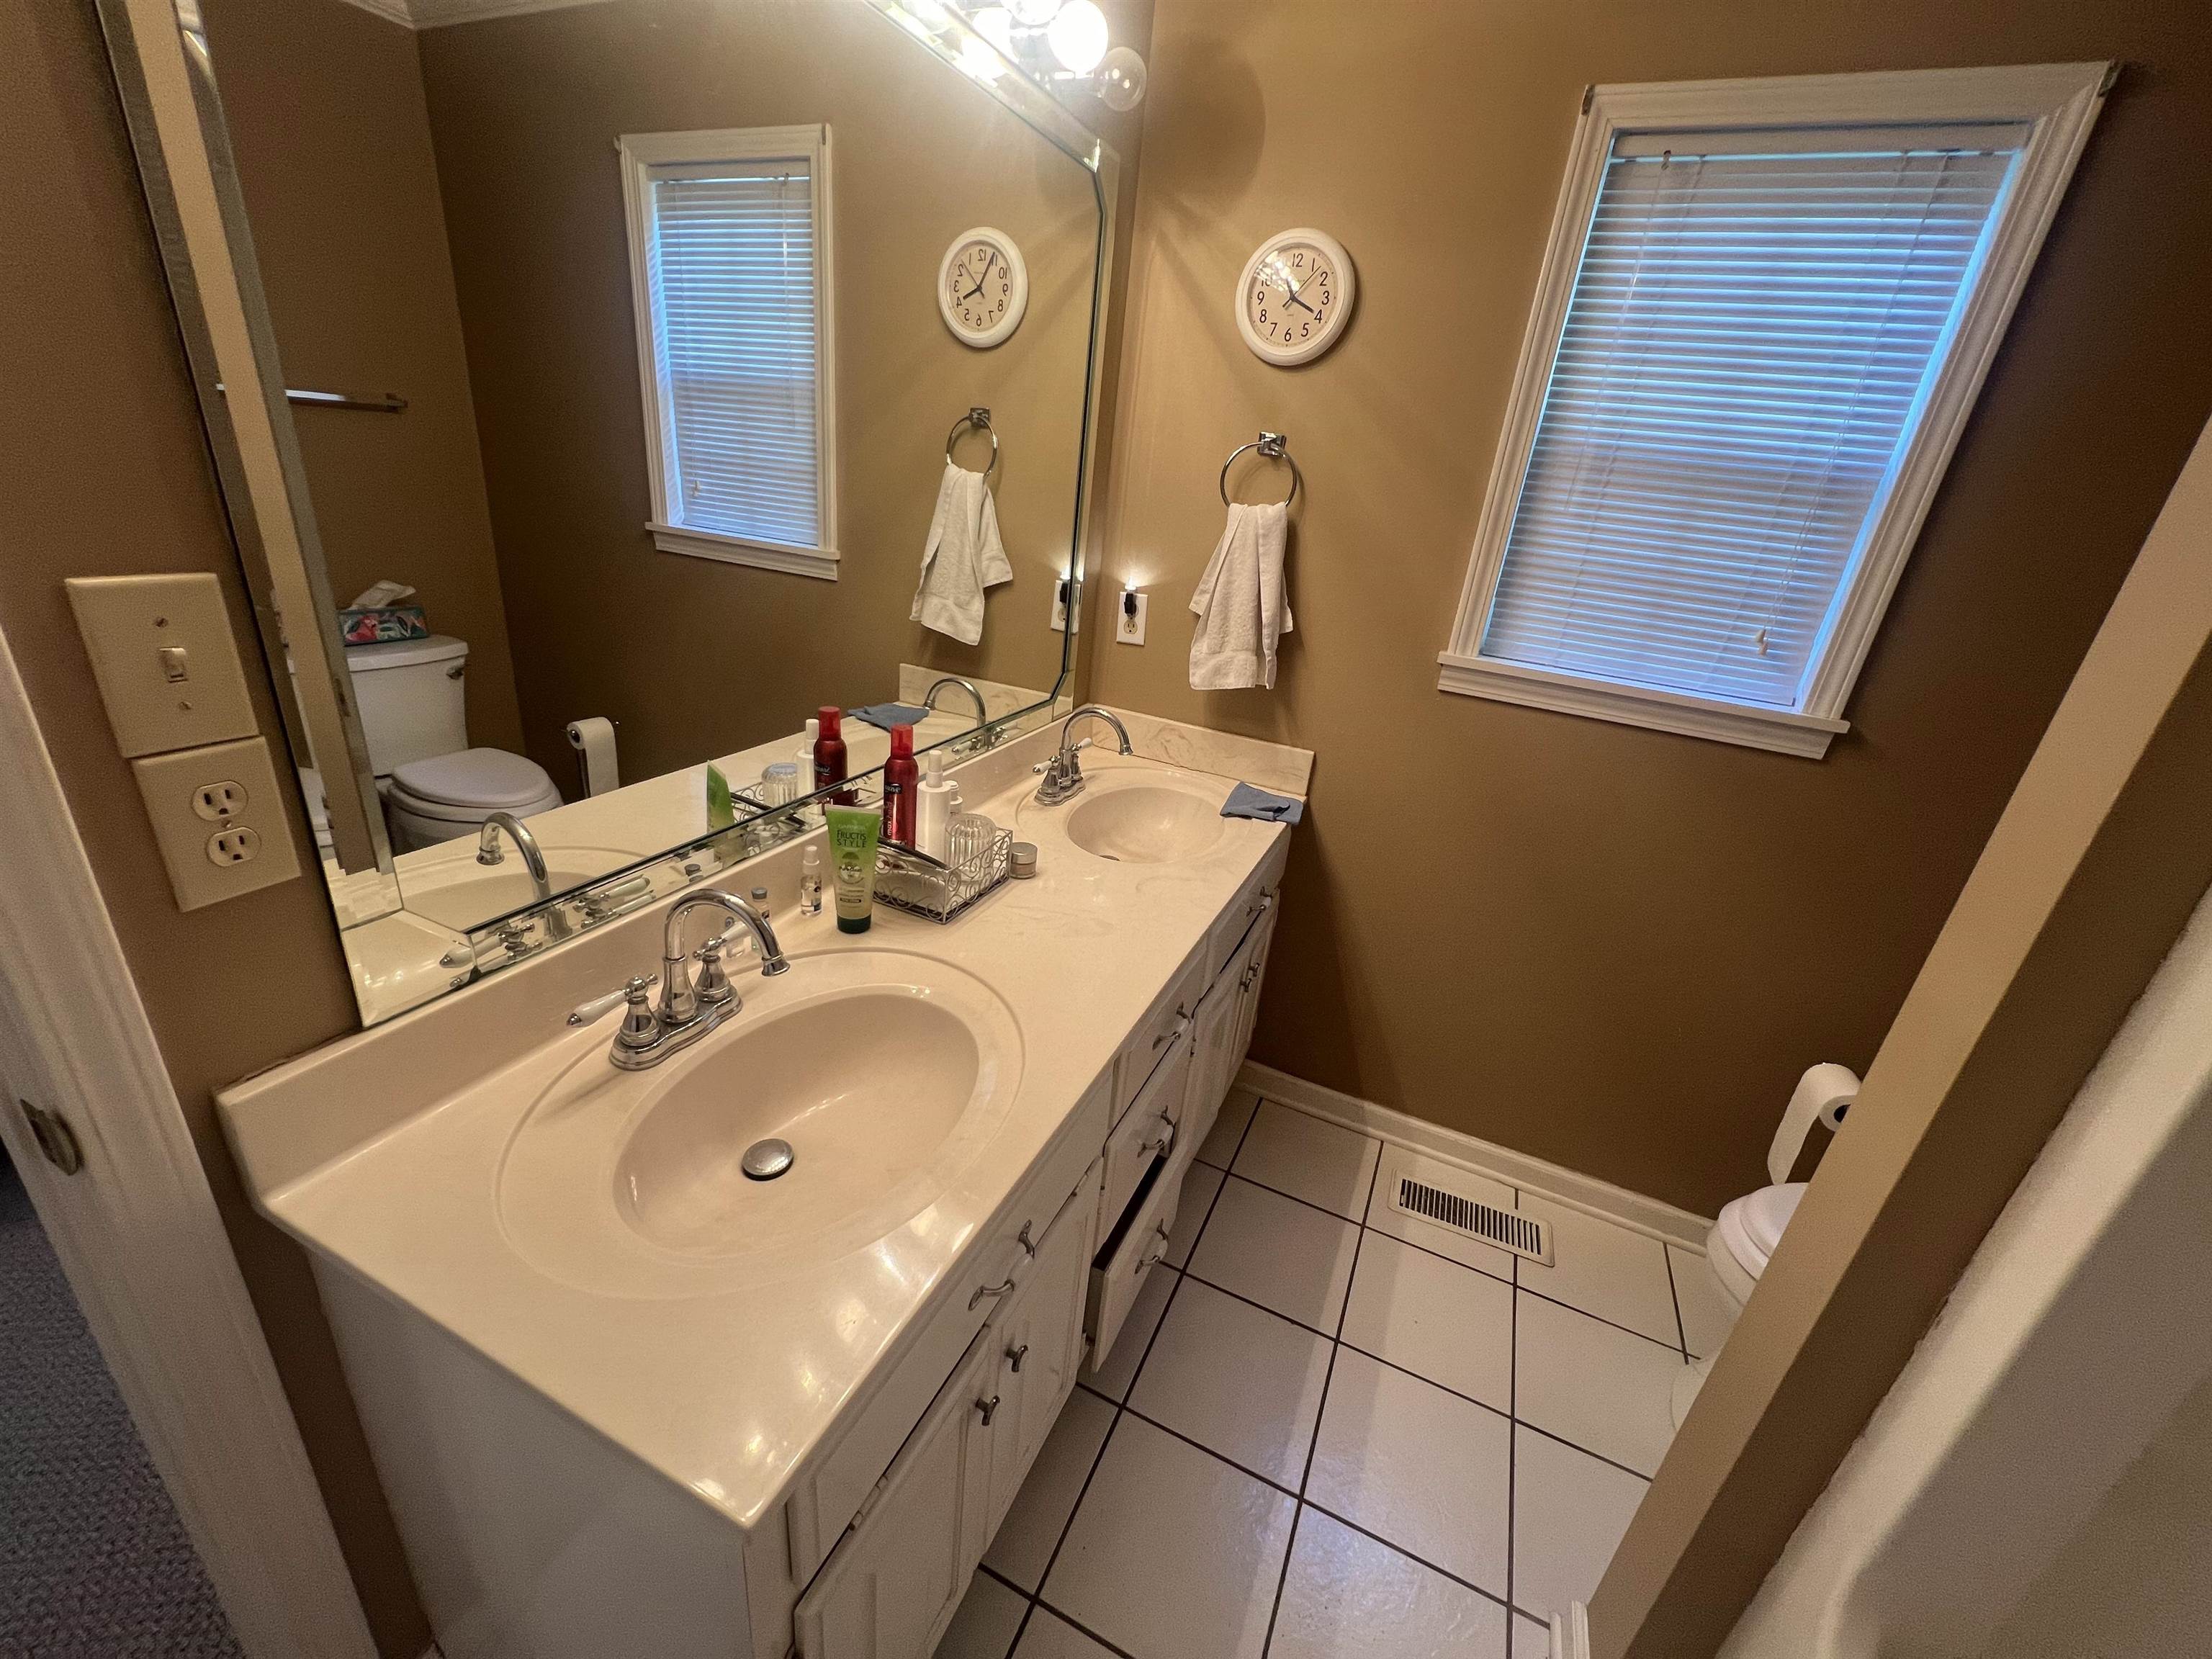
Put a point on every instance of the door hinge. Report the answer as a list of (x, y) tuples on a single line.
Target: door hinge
[(55, 1137)]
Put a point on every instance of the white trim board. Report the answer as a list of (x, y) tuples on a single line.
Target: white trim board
[(138, 1233), (2058, 103), (433, 14), (1649, 1216)]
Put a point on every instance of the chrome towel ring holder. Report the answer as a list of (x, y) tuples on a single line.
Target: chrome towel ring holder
[(1276, 447), (978, 417)]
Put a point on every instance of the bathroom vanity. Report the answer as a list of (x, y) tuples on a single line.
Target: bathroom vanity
[(626, 1402)]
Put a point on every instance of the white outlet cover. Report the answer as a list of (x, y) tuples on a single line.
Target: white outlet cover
[(1127, 629), (172, 784)]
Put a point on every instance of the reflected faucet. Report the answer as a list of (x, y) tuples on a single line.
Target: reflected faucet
[(686, 1011), (1063, 773), (488, 850), (929, 697)]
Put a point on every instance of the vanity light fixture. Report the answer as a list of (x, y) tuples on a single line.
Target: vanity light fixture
[(1077, 35), (1064, 45)]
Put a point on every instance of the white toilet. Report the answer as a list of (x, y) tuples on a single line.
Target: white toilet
[(435, 787), (1744, 1238)]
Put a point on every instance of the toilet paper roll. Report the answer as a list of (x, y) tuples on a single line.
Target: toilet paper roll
[(593, 740), (1822, 1095)]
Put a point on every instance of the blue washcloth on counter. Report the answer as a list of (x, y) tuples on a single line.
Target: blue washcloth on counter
[(888, 715), (1246, 802)]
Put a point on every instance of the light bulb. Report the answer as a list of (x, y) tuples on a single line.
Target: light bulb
[(1120, 79), (1033, 14), (1077, 35), (996, 25), (978, 60)]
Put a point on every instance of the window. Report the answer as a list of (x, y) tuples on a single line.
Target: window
[(729, 236), (1765, 314)]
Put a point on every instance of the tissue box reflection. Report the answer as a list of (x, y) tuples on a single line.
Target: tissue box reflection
[(374, 625)]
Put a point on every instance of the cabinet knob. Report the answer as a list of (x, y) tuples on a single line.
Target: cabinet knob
[(1015, 1356), (987, 1409)]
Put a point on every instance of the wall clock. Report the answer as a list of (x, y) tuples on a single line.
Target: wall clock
[(982, 287), (1295, 296)]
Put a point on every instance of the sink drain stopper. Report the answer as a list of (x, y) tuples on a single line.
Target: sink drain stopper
[(764, 1160)]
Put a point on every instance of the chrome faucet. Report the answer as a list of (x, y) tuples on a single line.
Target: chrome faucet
[(687, 1011), (1063, 773), (929, 697), (488, 850)]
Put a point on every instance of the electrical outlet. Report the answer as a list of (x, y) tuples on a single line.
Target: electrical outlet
[(219, 819), (1129, 617), (220, 802), (1060, 608)]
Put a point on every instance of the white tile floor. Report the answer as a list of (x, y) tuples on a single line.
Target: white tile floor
[(1340, 1432)]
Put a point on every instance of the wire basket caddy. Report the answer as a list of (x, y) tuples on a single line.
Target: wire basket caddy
[(914, 882)]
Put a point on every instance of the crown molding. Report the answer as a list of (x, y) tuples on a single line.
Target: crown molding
[(393, 11), (435, 14)]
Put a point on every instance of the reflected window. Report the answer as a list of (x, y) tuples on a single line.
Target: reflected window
[(730, 262)]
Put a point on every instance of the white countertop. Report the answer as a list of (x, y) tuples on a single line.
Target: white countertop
[(727, 1387)]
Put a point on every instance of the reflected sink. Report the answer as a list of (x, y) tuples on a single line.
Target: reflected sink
[(885, 1071), (1146, 823), (452, 890)]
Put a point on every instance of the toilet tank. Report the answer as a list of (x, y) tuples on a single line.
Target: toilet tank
[(411, 695)]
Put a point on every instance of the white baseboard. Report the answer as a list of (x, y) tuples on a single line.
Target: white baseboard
[(1581, 1192)]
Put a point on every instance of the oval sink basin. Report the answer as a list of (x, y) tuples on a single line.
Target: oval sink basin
[(865, 1088), (885, 1072), (1146, 823)]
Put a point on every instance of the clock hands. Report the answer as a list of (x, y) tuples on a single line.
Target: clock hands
[(983, 278)]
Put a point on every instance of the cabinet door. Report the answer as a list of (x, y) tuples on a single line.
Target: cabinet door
[(890, 1586), (1035, 1347), (1248, 983), (1211, 1067)]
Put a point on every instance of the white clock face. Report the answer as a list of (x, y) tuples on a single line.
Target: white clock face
[(983, 287), (1296, 296)]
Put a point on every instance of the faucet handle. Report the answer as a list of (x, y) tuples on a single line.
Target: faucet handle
[(634, 993), (714, 988)]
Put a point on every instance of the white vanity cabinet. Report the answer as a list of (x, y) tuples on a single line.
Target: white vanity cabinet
[(1036, 1345)]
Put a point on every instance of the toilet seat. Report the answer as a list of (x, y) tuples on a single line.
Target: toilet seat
[(446, 797), (1743, 1240)]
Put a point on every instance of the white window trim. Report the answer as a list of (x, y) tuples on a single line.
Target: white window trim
[(640, 153), (2058, 102)]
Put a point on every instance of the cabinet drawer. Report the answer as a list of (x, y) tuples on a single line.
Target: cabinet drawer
[(1140, 1245), (1230, 929), (1148, 1045), (823, 1501), (1147, 1130)]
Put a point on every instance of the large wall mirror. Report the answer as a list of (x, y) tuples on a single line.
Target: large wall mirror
[(602, 389)]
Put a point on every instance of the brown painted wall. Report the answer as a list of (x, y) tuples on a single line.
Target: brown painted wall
[(1611, 947), (107, 473), (696, 657), (325, 108)]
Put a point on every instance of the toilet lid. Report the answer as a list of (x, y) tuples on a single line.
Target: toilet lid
[(488, 779), (1764, 1213)]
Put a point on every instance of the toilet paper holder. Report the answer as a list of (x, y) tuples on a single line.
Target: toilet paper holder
[(1823, 1095)]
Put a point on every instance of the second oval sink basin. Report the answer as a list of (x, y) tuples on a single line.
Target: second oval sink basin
[(886, 1072), (1146, 823)]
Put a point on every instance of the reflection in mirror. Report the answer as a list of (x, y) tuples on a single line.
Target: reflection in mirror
[(662, 373)]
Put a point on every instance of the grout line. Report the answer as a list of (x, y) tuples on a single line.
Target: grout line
[(1337, 1215), (1077, 1624), (1630, 1330), (1440, 1388), (1681, 1329), (1313, 1445), (1561, 1440), (1512, 1447), (1312, 1330), (1399, 1549)]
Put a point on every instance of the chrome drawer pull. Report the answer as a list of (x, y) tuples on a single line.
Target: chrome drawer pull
[(982, 1290), (989, 1408), (1165, 1144), (1160, 1231), (1015, 1356), (1028, 1248)]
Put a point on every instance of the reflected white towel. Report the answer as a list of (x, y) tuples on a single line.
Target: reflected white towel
[(962, 558), (1243, 602)]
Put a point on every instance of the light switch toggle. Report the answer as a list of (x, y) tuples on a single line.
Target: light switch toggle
[(172, 664)]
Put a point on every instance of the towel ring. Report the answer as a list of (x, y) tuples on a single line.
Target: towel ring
[(976, 416), (1276, 447)]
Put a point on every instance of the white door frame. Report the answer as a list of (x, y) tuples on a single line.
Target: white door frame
[(137, 1232)]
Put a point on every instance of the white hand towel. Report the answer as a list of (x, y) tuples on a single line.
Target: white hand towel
[(1243, 603), (962, 558)]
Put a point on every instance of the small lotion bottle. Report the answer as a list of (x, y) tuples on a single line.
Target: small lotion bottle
[(901, 778), (829, 752), (935, 802), (810, 882)]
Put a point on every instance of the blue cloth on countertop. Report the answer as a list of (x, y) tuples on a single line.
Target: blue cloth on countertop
[(1246, 802), (888, 715)]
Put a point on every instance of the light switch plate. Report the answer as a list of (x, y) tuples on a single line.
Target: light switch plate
[(219, 819), (167, 665)]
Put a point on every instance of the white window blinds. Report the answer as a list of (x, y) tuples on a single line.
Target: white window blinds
[(736, 338), (1755, 325)]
